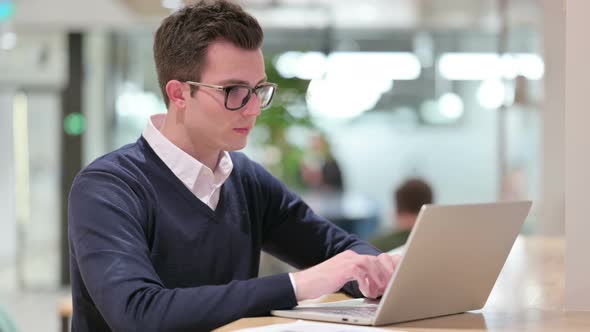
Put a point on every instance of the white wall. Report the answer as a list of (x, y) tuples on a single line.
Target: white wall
[(72, 14), (553, 183), (7, 213), (577, 159)]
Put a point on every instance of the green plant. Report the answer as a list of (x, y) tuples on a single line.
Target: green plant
[(279, 118)]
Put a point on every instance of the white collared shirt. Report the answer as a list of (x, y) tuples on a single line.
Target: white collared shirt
[(198, 178)]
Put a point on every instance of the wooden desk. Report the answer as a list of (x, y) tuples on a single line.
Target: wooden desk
[(528, 296)]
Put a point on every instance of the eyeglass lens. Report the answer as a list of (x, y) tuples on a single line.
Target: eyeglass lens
[(238, 96)]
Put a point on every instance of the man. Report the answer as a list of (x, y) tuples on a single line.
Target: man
[(319, 169), (165, 233), (409, 198)]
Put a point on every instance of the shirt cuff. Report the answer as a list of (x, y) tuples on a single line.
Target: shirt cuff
[(292, 278)]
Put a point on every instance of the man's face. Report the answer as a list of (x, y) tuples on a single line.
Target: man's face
[(207, 120)]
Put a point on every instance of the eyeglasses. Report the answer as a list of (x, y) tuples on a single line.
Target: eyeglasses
[(238, 95)]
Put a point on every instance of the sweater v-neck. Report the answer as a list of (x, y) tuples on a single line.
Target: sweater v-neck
[(195, 202)]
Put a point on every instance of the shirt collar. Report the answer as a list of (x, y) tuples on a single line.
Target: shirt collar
[(188, 169)]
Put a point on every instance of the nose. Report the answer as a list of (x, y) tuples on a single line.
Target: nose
[(252, 107)]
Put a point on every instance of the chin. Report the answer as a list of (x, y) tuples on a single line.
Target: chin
[(236, 146)]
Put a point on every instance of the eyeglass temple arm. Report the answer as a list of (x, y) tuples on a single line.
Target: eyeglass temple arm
[(218, 87)]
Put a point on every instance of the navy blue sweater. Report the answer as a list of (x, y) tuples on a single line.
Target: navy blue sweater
[(147, 255)]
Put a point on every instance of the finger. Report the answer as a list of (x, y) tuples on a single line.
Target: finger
[(363, 284), (360, 273), (368, 290), (387, 262), (375, 275), (383, 269), (374, 290), (387, 266)]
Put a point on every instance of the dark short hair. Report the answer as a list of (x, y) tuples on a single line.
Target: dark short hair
[(412, 194), (182, 40)]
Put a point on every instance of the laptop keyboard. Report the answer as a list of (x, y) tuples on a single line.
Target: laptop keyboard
[(365, 312)]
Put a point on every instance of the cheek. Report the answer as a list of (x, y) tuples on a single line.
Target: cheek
[(210, 122)]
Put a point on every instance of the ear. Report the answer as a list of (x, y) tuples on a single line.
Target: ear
[(174, 90)]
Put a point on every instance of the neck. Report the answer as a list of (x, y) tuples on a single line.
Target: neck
[(176, 133)]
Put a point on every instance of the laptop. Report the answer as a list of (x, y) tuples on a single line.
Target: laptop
[(452, 259)]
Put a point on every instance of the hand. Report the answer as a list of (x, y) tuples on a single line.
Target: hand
[(371, 272)]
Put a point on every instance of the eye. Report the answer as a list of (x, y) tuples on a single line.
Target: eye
[(237, 96)]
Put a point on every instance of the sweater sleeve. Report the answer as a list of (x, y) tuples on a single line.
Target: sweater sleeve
[(298, 236), (107, 223)]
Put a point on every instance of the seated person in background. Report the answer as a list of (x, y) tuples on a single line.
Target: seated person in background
[(319, 169), (409, 198)]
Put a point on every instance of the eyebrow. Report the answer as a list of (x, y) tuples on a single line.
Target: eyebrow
[(237, 81)]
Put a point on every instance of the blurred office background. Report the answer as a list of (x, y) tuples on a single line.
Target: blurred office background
[(449, 91)]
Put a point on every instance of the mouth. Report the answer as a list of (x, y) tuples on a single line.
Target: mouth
[(243, 130)]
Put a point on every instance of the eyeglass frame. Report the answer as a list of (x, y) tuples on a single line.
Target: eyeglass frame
[(226, 89)]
